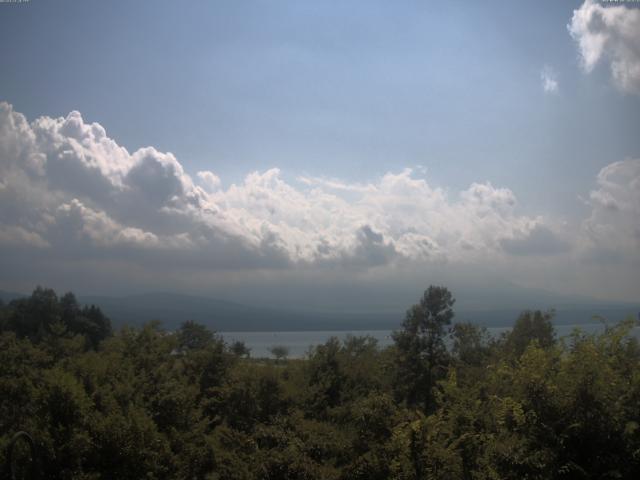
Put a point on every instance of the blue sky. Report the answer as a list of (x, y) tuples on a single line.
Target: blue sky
[(339, 90), (346, 89)]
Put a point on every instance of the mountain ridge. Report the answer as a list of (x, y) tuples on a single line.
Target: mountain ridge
[(224, 315)]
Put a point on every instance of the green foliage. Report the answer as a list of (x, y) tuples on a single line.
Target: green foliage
[(193, 336), (149, 403), (421, 355), (240, 349), (470, 344), (280, 352), (340, 373), (531, 326), (43, 316)]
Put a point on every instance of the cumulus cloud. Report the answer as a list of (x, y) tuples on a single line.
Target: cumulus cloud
[(549, 80), (610, 34), (209, 180), (612, 231), (16, 236), (66, 182), (371, 249), (68, 191), (98, 228)]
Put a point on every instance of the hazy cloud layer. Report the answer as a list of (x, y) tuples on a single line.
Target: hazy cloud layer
[(69, 190), (540, 240), (609, 34)]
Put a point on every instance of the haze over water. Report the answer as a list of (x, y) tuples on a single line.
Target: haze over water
[(299, 343)]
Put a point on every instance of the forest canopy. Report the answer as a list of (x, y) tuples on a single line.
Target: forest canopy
[(445, 401)]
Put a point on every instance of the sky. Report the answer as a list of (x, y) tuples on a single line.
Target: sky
[(321, 154)]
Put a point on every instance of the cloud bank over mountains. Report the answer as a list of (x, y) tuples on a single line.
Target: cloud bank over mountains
[(69, 191)]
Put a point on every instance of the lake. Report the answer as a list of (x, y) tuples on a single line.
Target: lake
[(299, 343)]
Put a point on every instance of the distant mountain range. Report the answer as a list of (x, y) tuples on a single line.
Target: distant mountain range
[(172, 309), (220, 315)]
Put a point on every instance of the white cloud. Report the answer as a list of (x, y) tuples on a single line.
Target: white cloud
[(16, 236), (209, 180), (76, 176), (549, 80), (69, 190), (101, 230), (612, 231), (610, 34)]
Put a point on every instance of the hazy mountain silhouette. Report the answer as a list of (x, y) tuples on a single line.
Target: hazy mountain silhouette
[(172, 309)]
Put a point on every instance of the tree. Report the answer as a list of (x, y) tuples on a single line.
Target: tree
[(35, 317), (279, 351), (94, 324), (421, 355), (4, 315), (43, 316), (240, 349), (531, 326), (194, 336), (88, 321), (470, 343), (325, 377)]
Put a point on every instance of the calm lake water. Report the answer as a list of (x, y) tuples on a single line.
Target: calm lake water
[(299, 343)]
